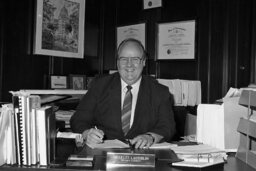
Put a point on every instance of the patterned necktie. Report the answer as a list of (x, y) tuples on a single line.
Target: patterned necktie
[(126, 111)]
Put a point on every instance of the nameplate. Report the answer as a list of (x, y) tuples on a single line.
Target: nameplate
[(130, 160)]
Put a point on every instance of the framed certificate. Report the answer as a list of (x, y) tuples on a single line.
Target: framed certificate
[(136, 31), (176, 40), (58, 82)]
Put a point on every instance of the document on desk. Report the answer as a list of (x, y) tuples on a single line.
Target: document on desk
[(196, 149), (109, 144), (68, 135), (199, 155), (163, 145)]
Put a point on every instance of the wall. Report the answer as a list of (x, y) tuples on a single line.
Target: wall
[(225, 55), (20, 68), (225, 43)]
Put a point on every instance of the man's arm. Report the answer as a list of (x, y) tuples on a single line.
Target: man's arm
[(84, 116), (164, 128)]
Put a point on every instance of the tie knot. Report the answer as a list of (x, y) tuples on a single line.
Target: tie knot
[(129, 87)]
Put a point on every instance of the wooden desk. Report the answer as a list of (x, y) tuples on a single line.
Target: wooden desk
[(64, 149)]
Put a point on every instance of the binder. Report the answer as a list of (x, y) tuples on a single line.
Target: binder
[(23, 134), (34, 104), (46, 134), (199, 156), (7, 142), (33, 129), (16, 109)]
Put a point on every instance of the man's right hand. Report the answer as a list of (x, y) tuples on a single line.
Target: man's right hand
[(93, 136)]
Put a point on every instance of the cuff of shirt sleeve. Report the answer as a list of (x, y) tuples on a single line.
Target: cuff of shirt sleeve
[(156, 137)]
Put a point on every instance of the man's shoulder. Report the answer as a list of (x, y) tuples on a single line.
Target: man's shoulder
[(103, 81), (107, 77), (155, 84), (157, 90)]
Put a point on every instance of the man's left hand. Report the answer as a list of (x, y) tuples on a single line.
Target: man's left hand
[(142, 141)]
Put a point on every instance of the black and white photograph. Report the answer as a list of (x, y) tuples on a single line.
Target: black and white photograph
[(128, 85), (60, 28)]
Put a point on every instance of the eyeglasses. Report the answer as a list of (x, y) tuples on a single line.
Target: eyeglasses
[(134, 60)]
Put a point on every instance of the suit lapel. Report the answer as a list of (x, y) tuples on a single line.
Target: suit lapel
[(142, 104), (115, 99)]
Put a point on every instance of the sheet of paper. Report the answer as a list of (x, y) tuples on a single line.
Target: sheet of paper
[(109, 144), (69, 135), (196, 164), (210, 125), (163, 145), (196, 149)]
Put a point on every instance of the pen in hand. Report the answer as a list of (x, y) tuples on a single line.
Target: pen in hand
[(100, 133), (131, 146)]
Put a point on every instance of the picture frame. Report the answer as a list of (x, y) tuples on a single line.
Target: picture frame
[(58, 82), (176, 40), (59, 29), (148, 4), (89, 82), (77, 82), (136, 31)]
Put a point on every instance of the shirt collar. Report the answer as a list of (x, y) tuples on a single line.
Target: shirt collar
[(134, 86)]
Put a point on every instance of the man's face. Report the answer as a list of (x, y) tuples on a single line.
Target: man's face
[(130, 63)]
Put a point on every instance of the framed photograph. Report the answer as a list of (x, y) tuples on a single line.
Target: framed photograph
[(58, 82), (136, 31), (176, 40), (77, 82), (89, 81), (148, 4), (59, 28)]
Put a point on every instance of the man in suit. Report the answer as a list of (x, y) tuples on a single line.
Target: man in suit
[(127, 104)]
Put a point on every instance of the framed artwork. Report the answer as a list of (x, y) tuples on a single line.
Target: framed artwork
[(59, 28), (77, 82), (58, 82), (136, 31), (176, 40)]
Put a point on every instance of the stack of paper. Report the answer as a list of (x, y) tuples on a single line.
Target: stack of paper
[(199, 155), (163, 145), (64, 115), (185, 92), (109, 144)]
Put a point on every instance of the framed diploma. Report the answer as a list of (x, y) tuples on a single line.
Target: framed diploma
[(176, 40), (136, 31)]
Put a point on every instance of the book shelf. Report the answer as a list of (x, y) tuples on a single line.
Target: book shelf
[(64, 102), (246, 127), (32, 125)]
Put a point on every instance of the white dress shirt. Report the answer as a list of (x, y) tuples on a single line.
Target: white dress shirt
[(134, 90)]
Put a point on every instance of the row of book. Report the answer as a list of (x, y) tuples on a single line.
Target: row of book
[(29, 131)]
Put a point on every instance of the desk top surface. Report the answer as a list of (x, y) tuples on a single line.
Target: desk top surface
[(65, 149)]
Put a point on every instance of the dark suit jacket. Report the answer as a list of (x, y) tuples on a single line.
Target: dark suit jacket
[(101, 106)]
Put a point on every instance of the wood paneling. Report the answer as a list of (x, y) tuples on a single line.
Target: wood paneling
[(225, 43), (2, 17)]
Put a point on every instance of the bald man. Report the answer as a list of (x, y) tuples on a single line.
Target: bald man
[(127, 104)]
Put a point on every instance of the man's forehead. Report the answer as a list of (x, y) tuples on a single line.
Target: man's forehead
[(131, 46)]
